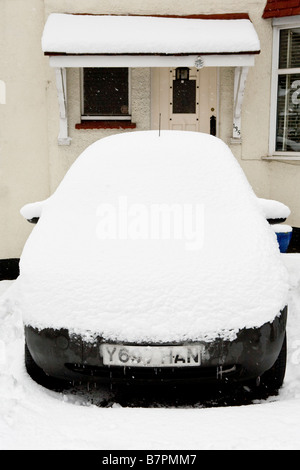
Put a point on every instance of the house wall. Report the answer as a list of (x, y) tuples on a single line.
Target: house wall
[(24, 156), (33, 164)]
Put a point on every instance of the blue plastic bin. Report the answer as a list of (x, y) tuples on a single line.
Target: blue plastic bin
[(284, 235)]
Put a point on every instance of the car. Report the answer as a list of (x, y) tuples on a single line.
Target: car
[(153, 261)]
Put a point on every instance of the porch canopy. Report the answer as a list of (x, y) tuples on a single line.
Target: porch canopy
[(83, 40), (106, 40)]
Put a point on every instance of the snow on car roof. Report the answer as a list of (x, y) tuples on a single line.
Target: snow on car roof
[(106, 34), (153, 238)]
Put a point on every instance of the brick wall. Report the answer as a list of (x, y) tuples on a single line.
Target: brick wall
[(280, 8)]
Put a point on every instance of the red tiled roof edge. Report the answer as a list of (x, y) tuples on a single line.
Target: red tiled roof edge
[(216, 16), (280, 8)]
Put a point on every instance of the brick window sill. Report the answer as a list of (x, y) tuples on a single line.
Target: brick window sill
[(105, 125)]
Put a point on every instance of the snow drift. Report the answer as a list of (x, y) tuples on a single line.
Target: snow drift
[(99, 261)]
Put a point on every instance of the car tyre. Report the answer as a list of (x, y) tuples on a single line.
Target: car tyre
[(32, 368), (39, 376), (272, 379)]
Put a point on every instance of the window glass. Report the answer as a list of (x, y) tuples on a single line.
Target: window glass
[(289, 48), (184, 96), (105, 91), (288, 113)]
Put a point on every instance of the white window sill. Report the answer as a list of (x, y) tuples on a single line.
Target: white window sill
[(116, 117), (283, 157)]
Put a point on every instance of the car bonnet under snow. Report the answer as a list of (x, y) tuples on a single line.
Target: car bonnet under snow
[(153, 238)]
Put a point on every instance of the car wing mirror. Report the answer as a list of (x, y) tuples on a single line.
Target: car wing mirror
[(33, 211), (274, 211)]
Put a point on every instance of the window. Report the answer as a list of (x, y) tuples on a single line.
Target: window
[(285, 128), (184, 92), (288, 91), (105, 93)]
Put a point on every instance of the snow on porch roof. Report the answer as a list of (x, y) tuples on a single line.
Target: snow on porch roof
[(79, 34)]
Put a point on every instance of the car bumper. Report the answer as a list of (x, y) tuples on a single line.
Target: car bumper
[(69, 357)]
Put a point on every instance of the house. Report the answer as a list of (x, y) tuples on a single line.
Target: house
[(74, 72)]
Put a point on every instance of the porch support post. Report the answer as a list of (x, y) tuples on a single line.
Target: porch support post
[(240, 76), (61, 86)]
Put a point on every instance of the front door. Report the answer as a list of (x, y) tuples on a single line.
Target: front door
[(184, 99)]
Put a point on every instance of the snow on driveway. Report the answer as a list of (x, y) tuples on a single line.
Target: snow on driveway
[(32, 417)]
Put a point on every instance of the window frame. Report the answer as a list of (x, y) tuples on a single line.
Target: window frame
[(104, 117), (278, 25)]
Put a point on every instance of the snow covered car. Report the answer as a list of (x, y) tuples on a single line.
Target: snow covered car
[(153, 261)]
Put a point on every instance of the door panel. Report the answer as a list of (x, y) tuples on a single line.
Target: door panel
[(183, 105)]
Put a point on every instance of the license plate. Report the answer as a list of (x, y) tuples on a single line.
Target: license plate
[(150, 356)]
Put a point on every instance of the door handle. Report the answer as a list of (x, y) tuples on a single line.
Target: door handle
[(213, 125)]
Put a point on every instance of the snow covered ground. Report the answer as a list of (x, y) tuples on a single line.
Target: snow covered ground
[(32, 417)]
